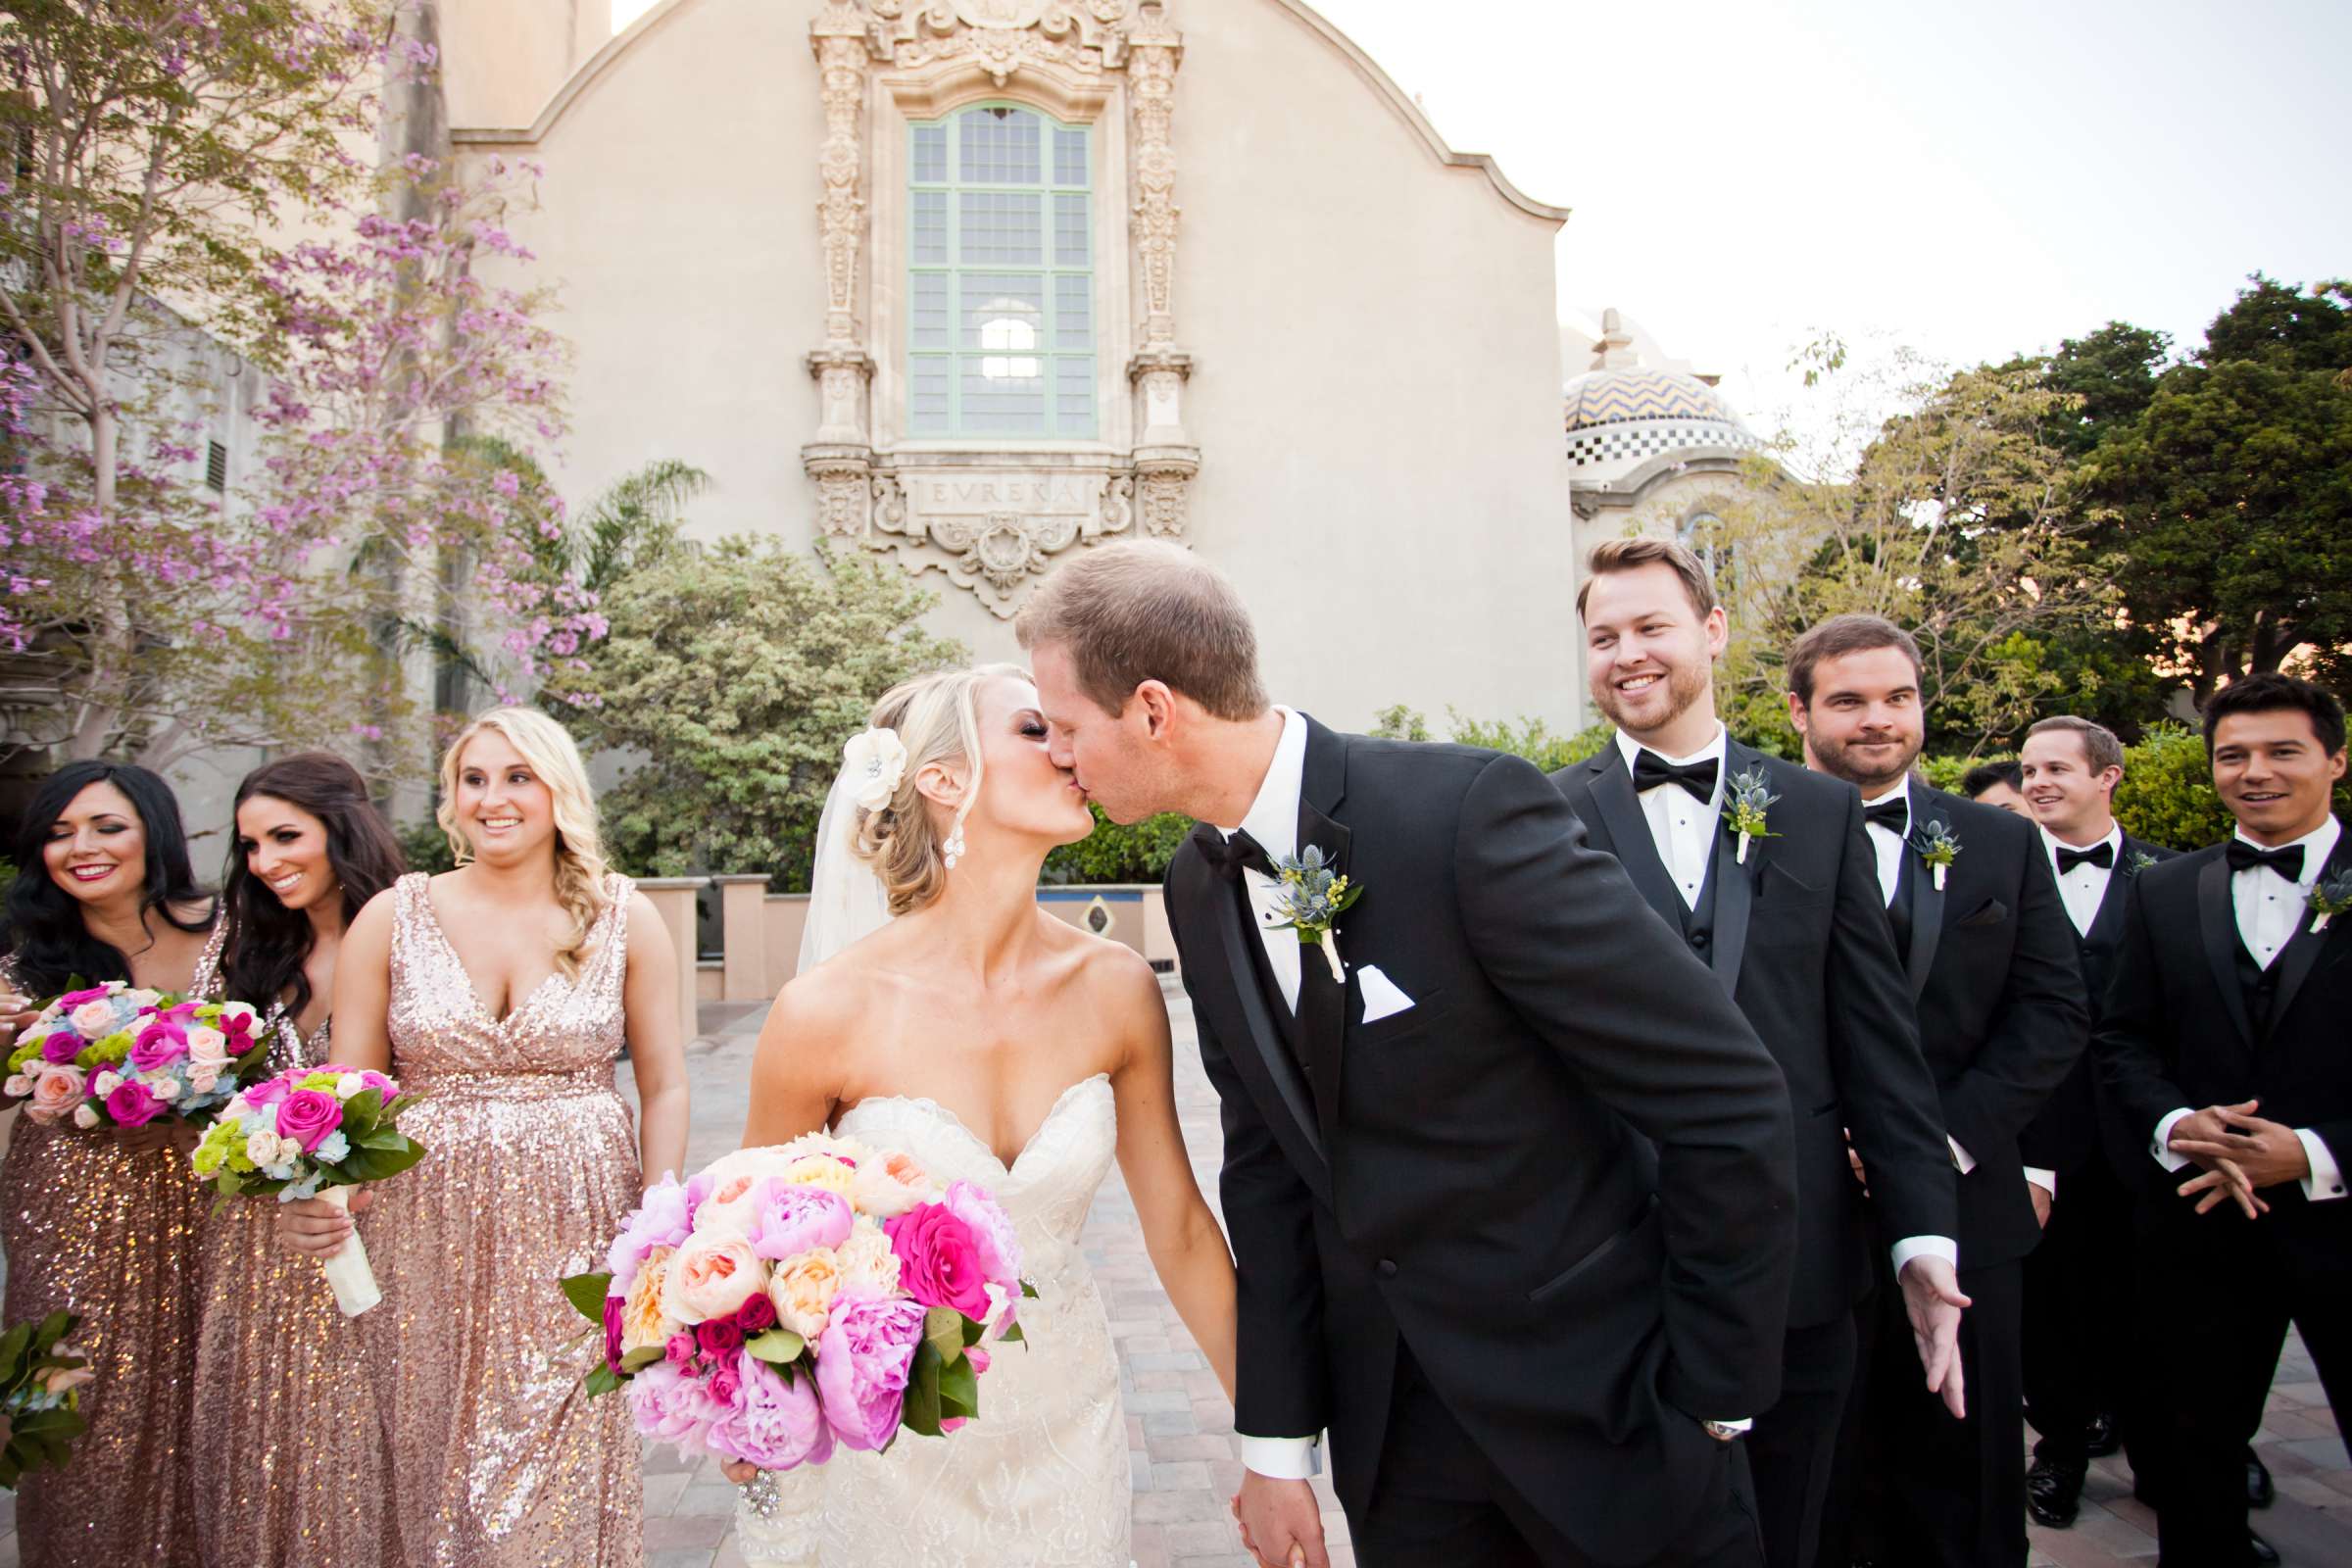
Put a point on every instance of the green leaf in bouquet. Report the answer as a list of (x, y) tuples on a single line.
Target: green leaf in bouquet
[(13, 1346), (11, 1467), (600, 1381), (586, 1293), (391, 1140), (55, 1327), (921, 1411), (369, 1164), (943, 1331), (959, 1389), (1028, 1290), (1013, 1335), (366, 1105), (776, 1346), (973, 1332), (637, 1360)]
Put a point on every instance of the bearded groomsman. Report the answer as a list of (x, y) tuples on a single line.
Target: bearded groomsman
[(1790, 920), (2079, 1294), (1990, 960), (2223, 1045)]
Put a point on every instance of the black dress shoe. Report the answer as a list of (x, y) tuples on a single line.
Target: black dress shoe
[(2260, 1493), (2053, 1493), (2259, 1550), (2101, 1439)]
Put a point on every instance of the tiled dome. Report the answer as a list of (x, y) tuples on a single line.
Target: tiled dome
[(1617, 397)]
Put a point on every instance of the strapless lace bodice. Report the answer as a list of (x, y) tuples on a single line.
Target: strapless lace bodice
[(1041, 1480)]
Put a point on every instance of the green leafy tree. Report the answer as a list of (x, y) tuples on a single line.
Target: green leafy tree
[(725, 686), (2278, 324), (1132, 851)]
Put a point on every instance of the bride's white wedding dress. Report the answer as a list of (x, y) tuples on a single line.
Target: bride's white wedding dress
[(1041, 1480)]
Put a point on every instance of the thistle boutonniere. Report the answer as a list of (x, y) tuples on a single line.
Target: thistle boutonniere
[(2329, 897), (1750, 797), (1311, 895), (1936, 846), (2140, 861)]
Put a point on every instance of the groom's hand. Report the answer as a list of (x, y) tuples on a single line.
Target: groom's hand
[(1281, 1522), (1932, 1298)]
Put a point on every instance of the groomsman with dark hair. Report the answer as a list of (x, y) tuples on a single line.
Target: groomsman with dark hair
[(1990, 960), (2000, 784), (2079, 1289), (1790, 920), (2223, 1047)]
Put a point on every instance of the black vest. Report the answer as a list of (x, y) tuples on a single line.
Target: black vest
[(1899, 909), (2258, 986), (1698, 922)]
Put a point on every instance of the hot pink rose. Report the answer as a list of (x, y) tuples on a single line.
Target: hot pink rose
[(679, 1351), (862, 1363), (269, 1092), (61, 1046), (939, 1261), (775, 1425), (159, 1044), (131, 1106), (613, 1326), (75, 998), (756, 1316), (792, 1220), (718, 1336), (308, 1115)]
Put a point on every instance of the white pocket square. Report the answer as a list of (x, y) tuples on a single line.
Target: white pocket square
[(1382, 998)]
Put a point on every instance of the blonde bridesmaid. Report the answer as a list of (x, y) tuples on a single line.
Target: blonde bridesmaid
[(287, 1458), (500, 994), (104, 1223)]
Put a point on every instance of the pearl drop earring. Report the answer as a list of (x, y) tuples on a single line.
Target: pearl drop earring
[(952, 851)]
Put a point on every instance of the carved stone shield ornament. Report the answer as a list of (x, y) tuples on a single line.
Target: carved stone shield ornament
[(1008, 14)]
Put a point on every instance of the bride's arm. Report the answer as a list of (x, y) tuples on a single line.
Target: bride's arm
[(793, 1068), (1188, 1250)]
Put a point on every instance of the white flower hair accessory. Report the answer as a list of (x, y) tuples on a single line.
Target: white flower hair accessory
[(875, 761)]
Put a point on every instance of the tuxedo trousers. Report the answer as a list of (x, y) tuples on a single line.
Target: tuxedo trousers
[(1932, 1492), (1794, 1450), (2229, 1290), (1439, 1500), (2079, 1303)]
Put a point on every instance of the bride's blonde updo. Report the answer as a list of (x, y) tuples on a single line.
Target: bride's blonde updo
[(936, 720)]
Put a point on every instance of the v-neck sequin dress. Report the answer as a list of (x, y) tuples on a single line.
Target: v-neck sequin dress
[(111, 1234), (498, 1458), (287, 1458)]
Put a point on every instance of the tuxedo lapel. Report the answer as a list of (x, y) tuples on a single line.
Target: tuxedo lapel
[(2106, 926), (1246, 1002), (2217, 924), (1620, 808), (1323, 1014), (1735, 885), (2303, 949), (1927, 898)]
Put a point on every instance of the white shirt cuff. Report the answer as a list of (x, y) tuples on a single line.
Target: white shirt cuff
[(1282, 1458), (2325, 1180), (2047, 1179), (1911, 1247), (1962, 1160), (2162, 1149), (1746, 1425)]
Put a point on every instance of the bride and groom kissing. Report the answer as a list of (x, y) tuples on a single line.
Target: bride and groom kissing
[(1508, 1180)]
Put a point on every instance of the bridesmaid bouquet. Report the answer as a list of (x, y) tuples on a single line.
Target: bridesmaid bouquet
[(41, 1399), (114, 1055), (312, 1132), (789, 1299)]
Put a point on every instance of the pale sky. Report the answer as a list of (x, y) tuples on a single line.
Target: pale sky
[(1971, 179)]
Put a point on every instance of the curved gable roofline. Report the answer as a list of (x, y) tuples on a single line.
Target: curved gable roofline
[(1363, 65)]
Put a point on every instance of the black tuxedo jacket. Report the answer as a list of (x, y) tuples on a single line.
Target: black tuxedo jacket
[(2065, 1136), (1800, 942), (2175, 1031), (1999, 996), (1563, 1176)]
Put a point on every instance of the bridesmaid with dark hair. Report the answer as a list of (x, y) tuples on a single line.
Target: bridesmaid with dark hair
[(289, 1459), (104, 1223)]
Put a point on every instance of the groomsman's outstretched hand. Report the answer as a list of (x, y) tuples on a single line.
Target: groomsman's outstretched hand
[(1932, 1299)]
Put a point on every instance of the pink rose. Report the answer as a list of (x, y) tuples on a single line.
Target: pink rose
[(792, 1220), (308, 1115), (75, 998), (673, 1407), (993, 1236), (756, 1316), (939, 1261), (269, 1092), (726, 1384), (131, 1106), (719, 1336), (61, 1046), (56, 1090), (713, 1276), (159, 1044), (862, 1363), (613, 1318), (94, 1019), (679, 1351), (776, 1425), (208, 1048)]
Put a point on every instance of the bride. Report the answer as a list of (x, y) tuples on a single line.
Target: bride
[(937, 1011)]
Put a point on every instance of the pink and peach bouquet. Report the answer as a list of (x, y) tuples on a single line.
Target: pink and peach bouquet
[(790, 1299), (116, 1056)]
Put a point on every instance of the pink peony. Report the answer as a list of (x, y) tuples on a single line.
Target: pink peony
[(660, 1219), (776, 1425), (131, 1106), (308, 1115), (792, 1220), (993, 1236), (939, 1260), (671, 1407), (862, 1363)]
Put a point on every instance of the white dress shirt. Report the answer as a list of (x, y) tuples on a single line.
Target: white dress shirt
[(1681, 827), (2085, 888), (2269, 910)]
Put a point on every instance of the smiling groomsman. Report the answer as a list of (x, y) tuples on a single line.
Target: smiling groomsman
[(2223, 1045), (1791, 922), (1990, 960), (2079, 1280)]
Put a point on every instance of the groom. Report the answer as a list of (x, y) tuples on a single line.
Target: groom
[(1512, 1196)]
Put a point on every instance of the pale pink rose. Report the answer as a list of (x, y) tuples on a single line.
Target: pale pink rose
[(84, 1118), (56, 1090), (208, 1046), (868, 1267), (732, 1209), (889, 1185), (65, 1379), (17, 1087), (802, 1288), (93, 1019), (645, 1320), (105, 1084), (711, 1276), (203, 1078), (165, 1087)]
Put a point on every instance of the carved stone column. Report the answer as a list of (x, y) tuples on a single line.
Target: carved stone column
[(1165, 456), (841, 457)]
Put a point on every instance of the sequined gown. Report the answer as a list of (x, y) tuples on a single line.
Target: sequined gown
[(1041, 1479), (110, 1235), (287, 1456), (498, 1460)]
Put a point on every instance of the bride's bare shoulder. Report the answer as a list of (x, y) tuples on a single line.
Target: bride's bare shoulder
[(818, 1007), (1113, 976)]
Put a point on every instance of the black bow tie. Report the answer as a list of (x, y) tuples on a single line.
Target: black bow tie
[(1894, 816), (2098, 855), (1230, 857), (2244, 857), (1651, 770)]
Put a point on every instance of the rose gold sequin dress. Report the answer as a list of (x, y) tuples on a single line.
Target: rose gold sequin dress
[(498, 1459), (95, 1229), (287, 1458)]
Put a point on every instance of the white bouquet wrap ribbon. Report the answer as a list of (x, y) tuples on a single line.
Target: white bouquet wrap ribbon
[(347, 1270)]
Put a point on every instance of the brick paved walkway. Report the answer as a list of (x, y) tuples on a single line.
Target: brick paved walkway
[(1184, 1456)]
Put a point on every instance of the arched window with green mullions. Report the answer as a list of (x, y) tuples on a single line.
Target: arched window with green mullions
[(1000, 277)]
